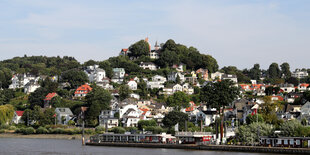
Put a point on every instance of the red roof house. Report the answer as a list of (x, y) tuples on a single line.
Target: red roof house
[(48, 99), (82, 90)]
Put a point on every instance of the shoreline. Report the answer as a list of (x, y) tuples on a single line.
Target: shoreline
[(228, 148), (44, 136)]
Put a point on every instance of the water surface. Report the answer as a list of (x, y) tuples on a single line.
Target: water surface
[(23, 146)]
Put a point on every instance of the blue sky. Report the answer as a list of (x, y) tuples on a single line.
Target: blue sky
[(238, 33)]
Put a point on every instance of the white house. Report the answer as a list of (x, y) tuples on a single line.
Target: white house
[(303, 87), (15, 82), (300, 74), (287, 87), (152, 85), (154, 54), (130, 115), (107, 119), (148, 65), (230, 77), (31, 87), (95, 74), (134, 95), (157, 82), (177, 88), (179, 67), (118, 75), (188, 89), (132, 84), (173, 76), (208, 116), (64, 115), (216, 75), (159, 79), (17, 117)]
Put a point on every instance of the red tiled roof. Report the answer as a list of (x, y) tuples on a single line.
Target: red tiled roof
[(189, 109), (144, 111), (49, 96), (19, 113), (304, 85), (84, 88), (125, 49)]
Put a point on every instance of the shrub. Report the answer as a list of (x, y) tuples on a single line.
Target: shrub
[(12, 128), (4, 126), (2, 131), (154, 129), (70, 122), (18, 130), (89, 131), (42, 130), (118, 130), (28, 131), (77, 131), (100, 129)]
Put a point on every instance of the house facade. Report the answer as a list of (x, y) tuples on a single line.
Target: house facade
[(107, 119), (82, 91), (17, 118), (95, 74), (64, 115)]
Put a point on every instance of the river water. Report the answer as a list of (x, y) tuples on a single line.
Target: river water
[(22, 146)]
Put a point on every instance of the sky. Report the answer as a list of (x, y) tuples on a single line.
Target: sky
[(235, 32)]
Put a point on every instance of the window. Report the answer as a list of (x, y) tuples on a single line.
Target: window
[(292, 142), (297, 142), (285, 142)]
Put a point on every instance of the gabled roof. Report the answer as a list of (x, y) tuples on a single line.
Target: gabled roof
[(19, 113), (49, 96), (86, 88), (64, 111), (125, 49)]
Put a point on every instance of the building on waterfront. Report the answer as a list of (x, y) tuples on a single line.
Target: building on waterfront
[(296, 142), (133, 138), (194, 137)]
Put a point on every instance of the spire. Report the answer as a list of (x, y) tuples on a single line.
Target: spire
[(156, 46)]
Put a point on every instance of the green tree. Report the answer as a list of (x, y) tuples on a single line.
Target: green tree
[(274, 71), (6, 113), (97, 100), (170, 45), (124, 92), (90, 63), (254, 118), (291, 128), (106, 65), (255, 72), (248, 133), (139, 48), (47, 117), (174, 117), (75, 77), (37, 97), (5, 78), (219, 94), (143, 92), (168, 58), (285, 69), (178, 100), (269, 110), (146, 123)]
